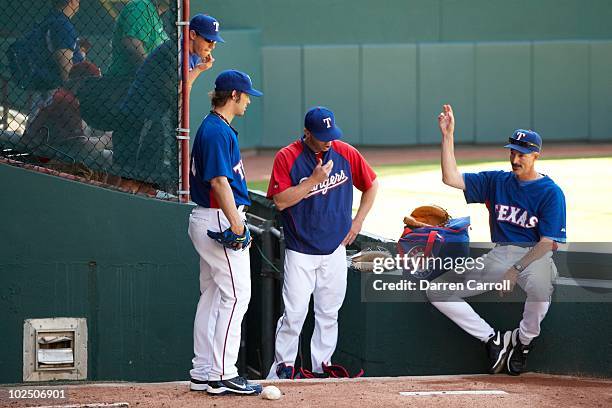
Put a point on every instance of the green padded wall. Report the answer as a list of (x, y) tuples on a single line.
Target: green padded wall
[(332, 79), (389, 94), (297, 22), (123, 262), (241, 51), (446, 75), (494, 20), (600, 103), (560, 109), (503, 90), (283, 102)]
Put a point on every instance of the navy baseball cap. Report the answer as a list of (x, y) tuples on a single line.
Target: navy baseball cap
[(525, 141), (321, 123), (206, 26), (232, 80)]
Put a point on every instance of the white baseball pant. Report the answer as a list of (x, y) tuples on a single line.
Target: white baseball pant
[(225, 291), (536, 280), (324, 277)]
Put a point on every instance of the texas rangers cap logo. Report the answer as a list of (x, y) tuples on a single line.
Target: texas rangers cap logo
[(321, 123)]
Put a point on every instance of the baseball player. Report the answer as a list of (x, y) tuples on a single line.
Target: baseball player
[(312, 185), (527, 219), (219, 234)]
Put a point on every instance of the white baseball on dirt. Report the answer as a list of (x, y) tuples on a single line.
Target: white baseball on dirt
[(271, 393)]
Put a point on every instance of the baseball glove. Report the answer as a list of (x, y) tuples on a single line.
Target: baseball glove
[(364, 260), (230, 240), (427, 216)]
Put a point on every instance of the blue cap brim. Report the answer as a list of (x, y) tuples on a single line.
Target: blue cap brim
[(333, 133), (253, 92), (521, 149), (215, 37)]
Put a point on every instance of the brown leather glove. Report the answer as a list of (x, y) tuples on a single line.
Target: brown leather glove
[(427, 216)]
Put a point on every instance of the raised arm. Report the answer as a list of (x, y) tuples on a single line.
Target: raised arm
[(450, 173)]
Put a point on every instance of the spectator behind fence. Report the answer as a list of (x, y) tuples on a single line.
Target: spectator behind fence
[(58, 132), (42, 59), (138, 30), (146, 147)]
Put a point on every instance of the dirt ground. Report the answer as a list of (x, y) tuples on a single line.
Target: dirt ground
[(531, 390)]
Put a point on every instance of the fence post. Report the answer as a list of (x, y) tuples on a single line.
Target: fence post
[(183, 189)]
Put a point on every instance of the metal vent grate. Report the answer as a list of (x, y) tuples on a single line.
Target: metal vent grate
[(55, 349)]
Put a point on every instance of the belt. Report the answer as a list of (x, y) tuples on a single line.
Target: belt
[(516, 244), (243, 208)]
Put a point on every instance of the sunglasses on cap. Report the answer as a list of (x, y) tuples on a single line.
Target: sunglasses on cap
[(522, 143)]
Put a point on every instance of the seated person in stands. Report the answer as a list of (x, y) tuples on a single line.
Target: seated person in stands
[(58, 132), (138, 31)]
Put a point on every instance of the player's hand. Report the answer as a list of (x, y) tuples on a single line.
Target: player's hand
[(353, 232), (511, 276), (230, 239), (321, 172), (238, 229), (446, 121), (205, 64)]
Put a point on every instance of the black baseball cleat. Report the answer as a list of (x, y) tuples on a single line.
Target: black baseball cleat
[(498, 347), (517, 359), (285, 372), (236, 385), (198, 385)]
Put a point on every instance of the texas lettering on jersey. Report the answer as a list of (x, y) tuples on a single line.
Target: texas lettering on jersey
[(332, 181), (515, 215)]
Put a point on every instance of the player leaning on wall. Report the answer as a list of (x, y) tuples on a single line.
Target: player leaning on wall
[(527, 218)]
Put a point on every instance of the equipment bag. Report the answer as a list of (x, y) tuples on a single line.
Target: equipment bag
[(427, 252)]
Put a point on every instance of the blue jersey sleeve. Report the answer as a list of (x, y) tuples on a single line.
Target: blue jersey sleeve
[(62, 35), (478, 186), (552, 221), (215, 157)]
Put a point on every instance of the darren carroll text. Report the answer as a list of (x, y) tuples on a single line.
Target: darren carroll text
[(471, 284)]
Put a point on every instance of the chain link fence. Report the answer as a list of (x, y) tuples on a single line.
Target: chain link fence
[(90, 88)]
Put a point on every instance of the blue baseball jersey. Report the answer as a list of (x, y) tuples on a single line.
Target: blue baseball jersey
[(55, 32), (154, 89), (216, 153), (320, 221), (519, 212)]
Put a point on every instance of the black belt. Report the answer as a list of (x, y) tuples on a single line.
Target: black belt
[(518, 244)]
